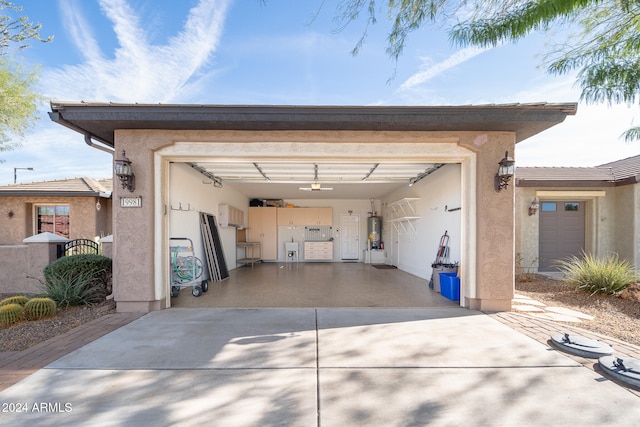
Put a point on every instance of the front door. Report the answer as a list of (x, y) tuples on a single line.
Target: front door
[(350, 236), (561, 232)]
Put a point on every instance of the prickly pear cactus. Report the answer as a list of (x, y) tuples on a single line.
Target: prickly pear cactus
[(38, 308), (11, 313), (18, 299)]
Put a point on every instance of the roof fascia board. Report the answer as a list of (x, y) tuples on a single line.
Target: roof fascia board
[(93, 118), (42, 193)]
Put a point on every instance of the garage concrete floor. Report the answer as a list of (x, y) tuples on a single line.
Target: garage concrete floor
[(296, 285)]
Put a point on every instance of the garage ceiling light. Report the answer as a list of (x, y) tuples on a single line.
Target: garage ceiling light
[(315, 185)]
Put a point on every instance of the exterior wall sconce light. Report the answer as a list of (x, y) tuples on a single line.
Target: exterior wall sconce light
[(533, 209), (506, 169), (124, 171)]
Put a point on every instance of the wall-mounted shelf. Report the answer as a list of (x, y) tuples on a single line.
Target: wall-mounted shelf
[(404, 213)]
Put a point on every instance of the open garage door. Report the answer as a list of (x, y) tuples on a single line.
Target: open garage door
[(205, 184)]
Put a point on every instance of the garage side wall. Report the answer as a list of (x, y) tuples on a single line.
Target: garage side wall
[(495, 225), (191, 193), (418, 241)]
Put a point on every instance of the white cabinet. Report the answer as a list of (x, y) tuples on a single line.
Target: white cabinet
[(230, 216), (318, 251)]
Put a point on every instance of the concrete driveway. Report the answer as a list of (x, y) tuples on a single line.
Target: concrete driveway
[(306, 367)]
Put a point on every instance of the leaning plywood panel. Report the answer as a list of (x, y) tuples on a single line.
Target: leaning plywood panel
[(213, 247)]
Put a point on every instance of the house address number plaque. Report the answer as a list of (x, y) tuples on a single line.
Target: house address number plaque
[(131, 202)]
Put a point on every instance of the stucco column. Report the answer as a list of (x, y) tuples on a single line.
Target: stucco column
[(133, 231), (495, 224)]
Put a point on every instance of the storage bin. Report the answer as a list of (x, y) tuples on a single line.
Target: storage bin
[(450, 286), (437, 269)]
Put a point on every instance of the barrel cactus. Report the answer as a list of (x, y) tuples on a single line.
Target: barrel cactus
[(38, 308), (11, 313), (18, 299)]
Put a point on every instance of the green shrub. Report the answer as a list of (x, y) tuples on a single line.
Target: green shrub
[(78, 279), (607, 275), (11, 313), (18, 299), (38, 308), (69, 288)]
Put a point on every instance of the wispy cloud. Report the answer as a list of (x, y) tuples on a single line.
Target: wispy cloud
[(432, 71), (137, 71), (80, 31)]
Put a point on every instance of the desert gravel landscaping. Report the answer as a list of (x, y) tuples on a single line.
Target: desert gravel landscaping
[(617, 316)]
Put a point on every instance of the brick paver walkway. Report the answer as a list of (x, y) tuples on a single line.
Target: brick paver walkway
[(542, 329), (16, 365)]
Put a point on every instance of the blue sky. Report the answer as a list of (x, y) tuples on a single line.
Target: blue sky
[(280, 52)]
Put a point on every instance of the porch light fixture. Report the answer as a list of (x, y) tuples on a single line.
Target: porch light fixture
[(124, 171), (533, 209), (506, 169)]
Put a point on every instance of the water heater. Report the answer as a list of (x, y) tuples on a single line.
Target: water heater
[(374, 231)]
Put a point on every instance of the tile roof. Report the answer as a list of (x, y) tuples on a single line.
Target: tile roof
[(621, 171), (564, 174), (68, 187), (624, 168)]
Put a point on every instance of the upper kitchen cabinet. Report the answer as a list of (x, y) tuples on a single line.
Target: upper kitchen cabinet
[(263, 228), (291, 216), (305, 216), (318, 216)]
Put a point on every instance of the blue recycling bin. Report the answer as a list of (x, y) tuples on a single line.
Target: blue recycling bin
[(450, 285)]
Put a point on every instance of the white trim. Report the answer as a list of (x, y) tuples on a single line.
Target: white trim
[(449, 152), (578, 195), (161, 230), (468, 241)]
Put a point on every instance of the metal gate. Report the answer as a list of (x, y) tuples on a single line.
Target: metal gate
[(77, 247)]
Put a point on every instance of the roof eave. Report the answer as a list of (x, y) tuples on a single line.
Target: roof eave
[(100, 120), (44, 193)]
